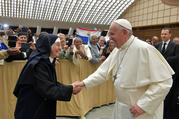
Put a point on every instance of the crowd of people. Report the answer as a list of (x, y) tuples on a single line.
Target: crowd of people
[(71, 48), (142, 72)]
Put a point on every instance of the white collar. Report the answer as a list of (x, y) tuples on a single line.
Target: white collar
[(51, 59), (167, 42)]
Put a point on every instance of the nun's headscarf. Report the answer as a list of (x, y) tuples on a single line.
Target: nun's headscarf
[(89, 40), (43, 46)]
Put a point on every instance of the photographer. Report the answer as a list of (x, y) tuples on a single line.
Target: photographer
[(5, 51), (24, 47)]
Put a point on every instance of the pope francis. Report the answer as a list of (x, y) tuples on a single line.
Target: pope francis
[(142, 77)]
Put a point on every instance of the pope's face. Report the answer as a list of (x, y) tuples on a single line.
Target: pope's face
[(116, 34), (55, 50)]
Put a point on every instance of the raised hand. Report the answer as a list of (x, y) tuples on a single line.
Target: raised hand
[(32, 45), (71, 48), (13, 51)]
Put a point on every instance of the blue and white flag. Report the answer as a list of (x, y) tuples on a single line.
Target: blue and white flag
[(84, 33), (2, 46)]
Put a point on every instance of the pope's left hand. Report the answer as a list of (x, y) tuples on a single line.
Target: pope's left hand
[(136, 110)]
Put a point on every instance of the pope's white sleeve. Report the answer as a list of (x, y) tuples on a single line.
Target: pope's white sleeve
[(154, 96), (99, 76)]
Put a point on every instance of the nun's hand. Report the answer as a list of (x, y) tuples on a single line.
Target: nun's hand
[(76, 87)]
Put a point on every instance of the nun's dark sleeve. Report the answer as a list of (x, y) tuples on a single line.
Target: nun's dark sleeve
[(48, 88)]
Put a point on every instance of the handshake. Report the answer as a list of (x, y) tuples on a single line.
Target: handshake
[(77, 87)]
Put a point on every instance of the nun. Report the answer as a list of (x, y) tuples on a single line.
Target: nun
[(37, 89)]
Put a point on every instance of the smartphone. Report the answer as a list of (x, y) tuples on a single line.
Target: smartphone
[(69, 42), (12, 41), (25, 46)]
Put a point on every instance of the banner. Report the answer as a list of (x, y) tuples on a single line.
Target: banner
[(84, 33)]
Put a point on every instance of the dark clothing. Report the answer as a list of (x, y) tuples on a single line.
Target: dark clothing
[(20, 56), (29, 38), (170, 50), (37, 100), (105, 53), (69, 42), (37, 89), (174, 91)]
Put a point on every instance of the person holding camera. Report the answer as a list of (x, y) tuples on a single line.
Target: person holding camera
[(5, 51), (24, 47)]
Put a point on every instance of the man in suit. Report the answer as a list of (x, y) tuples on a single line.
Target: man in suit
[(168, 49)]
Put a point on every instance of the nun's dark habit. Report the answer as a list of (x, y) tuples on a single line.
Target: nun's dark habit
[(37, 89)]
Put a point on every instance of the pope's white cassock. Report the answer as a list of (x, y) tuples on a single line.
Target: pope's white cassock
[(143, 78)]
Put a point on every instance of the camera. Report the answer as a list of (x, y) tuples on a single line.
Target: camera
[(25, 46), (12, 41)]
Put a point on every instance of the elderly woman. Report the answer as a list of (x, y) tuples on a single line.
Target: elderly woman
[(37, 89), (80, 51), (95, 50)]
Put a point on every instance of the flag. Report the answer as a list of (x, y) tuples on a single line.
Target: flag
[(84, 33)]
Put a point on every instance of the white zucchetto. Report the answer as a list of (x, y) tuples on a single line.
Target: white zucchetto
[(124, 23)]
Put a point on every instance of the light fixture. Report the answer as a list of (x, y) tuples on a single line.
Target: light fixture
[(101, 12), (5, 25)]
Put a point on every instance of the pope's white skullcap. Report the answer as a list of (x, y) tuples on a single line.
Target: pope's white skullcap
[(124, 23)]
